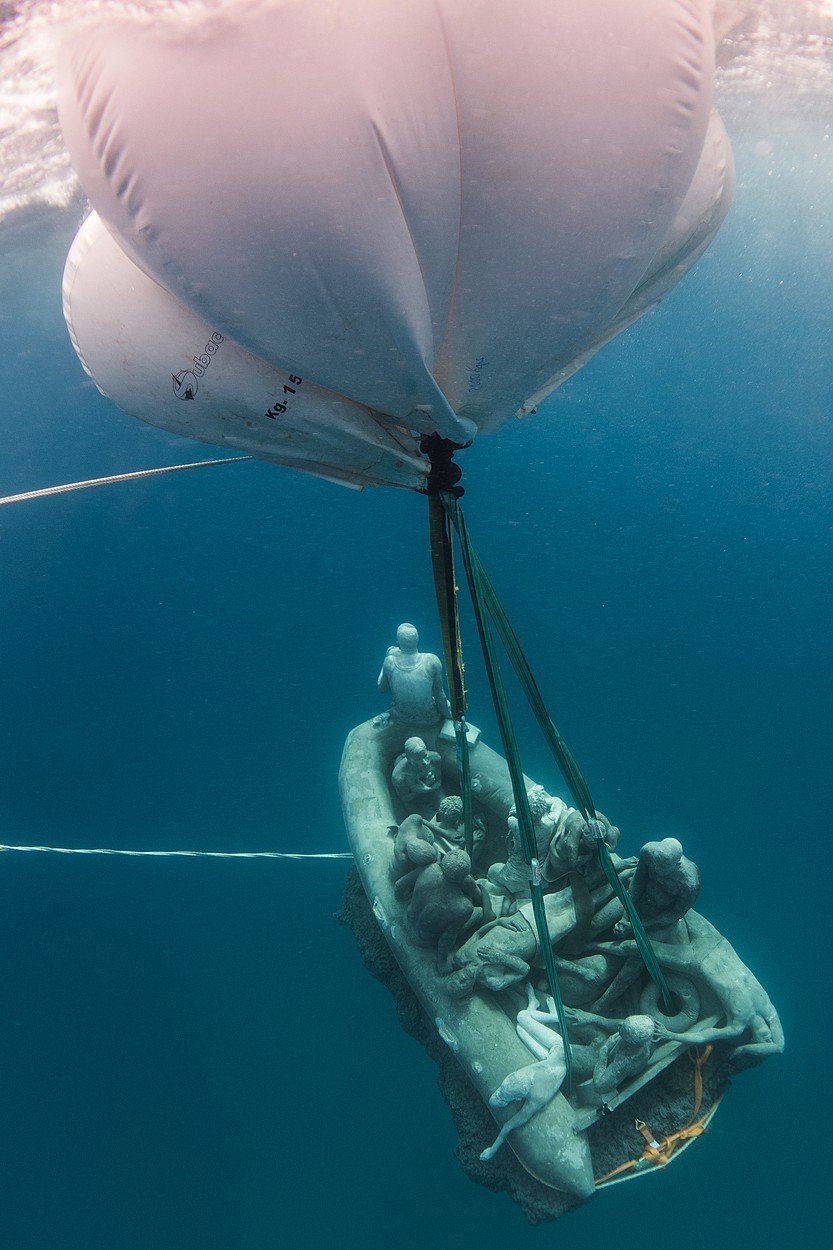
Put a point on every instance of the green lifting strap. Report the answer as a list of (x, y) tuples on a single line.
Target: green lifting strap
[(576, 783), (510, 749), (445, 585)]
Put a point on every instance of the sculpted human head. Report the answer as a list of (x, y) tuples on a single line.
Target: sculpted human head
[(636, 1030), (414, 749), (539, 802), (587, 837), (450, 811), (407, 638), (667, 854), (455, 866)]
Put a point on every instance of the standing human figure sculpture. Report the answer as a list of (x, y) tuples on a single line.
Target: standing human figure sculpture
[(414, 680)]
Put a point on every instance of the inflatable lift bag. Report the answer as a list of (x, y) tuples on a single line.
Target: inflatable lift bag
[(429, 212)]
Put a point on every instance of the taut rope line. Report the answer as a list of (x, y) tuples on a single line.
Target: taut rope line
[(101, 850), (117, 477)]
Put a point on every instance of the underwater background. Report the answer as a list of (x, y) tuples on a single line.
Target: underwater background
[(191, 1053)]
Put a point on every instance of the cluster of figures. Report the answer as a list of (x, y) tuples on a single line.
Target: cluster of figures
[(477, 916)]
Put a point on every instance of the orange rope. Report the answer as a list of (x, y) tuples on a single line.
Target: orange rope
[(623, 1167), (659, 1153), (698, 1061)]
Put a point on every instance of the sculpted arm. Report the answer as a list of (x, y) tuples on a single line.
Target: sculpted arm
[(428, 784), (472, 890), (640, 877), (383, 682), (688, 887), (601, 1065), (440, 701)]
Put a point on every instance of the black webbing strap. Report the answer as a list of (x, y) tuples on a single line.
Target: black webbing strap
[(442, 560)]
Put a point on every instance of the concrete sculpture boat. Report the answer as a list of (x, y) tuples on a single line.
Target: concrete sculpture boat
[(575, 1142)]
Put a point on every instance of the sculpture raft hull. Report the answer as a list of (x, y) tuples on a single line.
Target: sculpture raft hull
[(571, 1147)]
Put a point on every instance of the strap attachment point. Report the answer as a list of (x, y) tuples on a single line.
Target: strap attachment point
[(445, 474)]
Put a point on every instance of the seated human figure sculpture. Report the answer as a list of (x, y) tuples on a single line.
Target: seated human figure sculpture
[(444, 905), (413, 849), (664, 887), (513, 875), (624, 1055), (449, 830), (573, 847), (414, 680), (416, 776), (564, 843)]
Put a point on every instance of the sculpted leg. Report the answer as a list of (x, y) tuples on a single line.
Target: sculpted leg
[(538, 1029), (533, 1086), (404, 887), (450, 940), (516, 1121)]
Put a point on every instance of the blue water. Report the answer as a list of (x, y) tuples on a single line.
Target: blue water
[(191, 1053)]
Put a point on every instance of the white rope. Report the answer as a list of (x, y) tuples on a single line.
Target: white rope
[(100, 850), (118, 477)]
